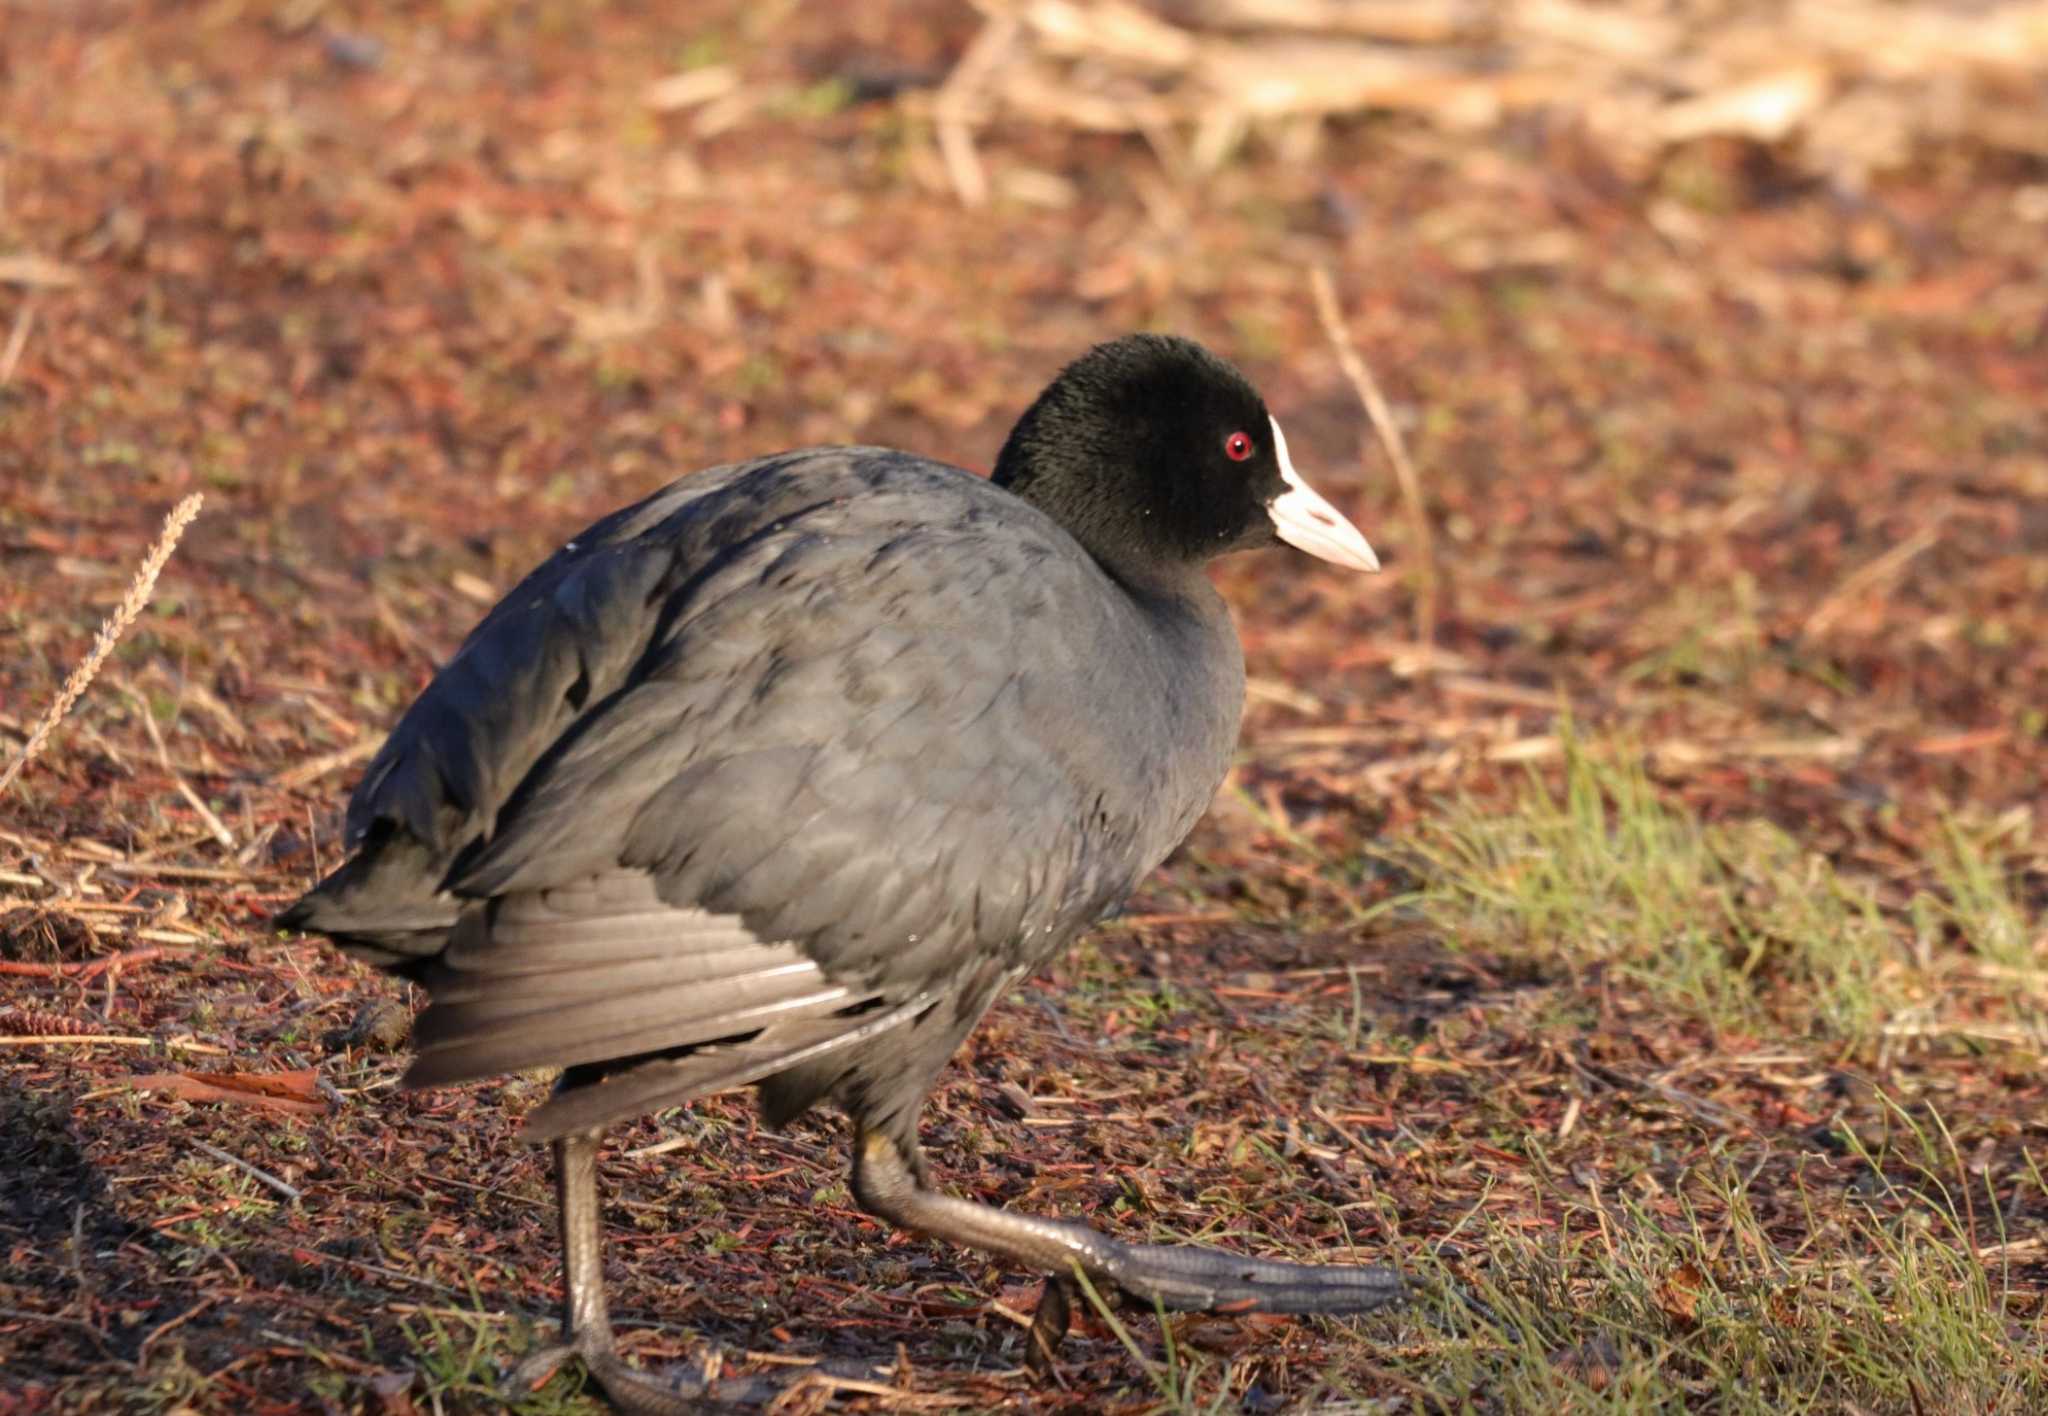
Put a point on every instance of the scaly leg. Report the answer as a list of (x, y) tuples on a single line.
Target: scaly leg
[(587, 1328), (888, 1181)]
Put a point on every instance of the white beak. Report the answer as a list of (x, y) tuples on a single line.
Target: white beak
[(1305, 521)]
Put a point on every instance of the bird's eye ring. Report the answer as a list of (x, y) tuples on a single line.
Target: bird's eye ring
[(1237, 447)]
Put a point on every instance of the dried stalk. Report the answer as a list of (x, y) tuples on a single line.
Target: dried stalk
[(288, 1191), (1870, 577), (1368, 390), (215, 827), (17, 338), (111, 630), (313, 769), (956, 140)]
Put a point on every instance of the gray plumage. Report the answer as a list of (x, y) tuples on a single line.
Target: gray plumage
[(739, 765)]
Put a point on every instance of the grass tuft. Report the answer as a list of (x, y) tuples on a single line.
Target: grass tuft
[(1623, 1307), (1722, 919)]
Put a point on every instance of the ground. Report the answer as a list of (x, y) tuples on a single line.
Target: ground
[(1625, 913)]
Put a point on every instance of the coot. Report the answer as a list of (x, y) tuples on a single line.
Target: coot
[(780, 776)]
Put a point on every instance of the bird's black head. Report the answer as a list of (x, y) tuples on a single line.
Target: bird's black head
[(1157, 457)]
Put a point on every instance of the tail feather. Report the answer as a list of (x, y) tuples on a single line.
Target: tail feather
[(593, 971), (380, 905)]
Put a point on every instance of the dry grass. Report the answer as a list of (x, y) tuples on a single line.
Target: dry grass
[(132, 604), (1850, 87)]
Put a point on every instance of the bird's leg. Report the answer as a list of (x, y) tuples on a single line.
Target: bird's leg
[(586, 1326), (889, 1183)]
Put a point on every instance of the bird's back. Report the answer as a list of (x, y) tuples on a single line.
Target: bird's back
[(787, 744)]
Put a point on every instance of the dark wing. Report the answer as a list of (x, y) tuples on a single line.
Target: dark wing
[(771, 766), (570, 633)]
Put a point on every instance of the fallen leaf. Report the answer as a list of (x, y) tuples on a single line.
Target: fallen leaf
[(294, 1092), (1679, 1294)]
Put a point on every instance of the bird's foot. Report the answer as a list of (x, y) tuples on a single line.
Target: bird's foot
[(631, 1390), (1187, 1277), (889, 1182)]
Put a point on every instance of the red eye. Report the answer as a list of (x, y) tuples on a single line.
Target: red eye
[(1237, 447)]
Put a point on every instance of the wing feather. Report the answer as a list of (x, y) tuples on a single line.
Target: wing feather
[(675, 1080), (602, 969)]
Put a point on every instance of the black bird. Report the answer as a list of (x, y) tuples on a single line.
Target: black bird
[(780, 776)]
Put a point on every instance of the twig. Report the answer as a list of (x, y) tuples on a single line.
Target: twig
[(2016, 1033), (17, 339), (149, 869), (115, 962), (34, 272), (86, 969), (299, 1253), (1711, 1112), (828, 1384), (1368, 390), (1868, 577), (214, 826), (265, 1176), (142, 1351), (111, 630), (53, 1320), (314, 768)]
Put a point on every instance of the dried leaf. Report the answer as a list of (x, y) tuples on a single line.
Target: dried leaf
[(294, 1092), (1679, 1294)]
